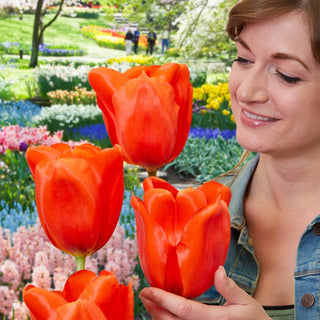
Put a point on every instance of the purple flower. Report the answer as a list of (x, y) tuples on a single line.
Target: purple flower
[(23, 146)]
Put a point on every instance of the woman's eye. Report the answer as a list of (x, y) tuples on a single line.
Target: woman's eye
[(241, 60), (287, 79)]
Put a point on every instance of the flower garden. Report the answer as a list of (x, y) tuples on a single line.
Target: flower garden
[(69, 114)]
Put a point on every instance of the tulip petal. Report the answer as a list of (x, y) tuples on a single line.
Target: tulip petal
[(161, 206), (114, 300), (124, 299), (153, 244), (213, 190), (80, 309), (41, 303), (189, 201), (105, 82), (85, 151), (158, 183), (173, 282), (136, 105), (76, 283), (109, 164), (35, 155), (205, 241), (136, 72), (64, 148), (179, 77), (69, 204)]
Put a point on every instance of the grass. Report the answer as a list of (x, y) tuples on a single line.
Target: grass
[(64, 31), (19, 78)]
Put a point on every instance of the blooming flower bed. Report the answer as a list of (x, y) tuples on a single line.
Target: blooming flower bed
[(17, 112), (110, 38), (27, 256)]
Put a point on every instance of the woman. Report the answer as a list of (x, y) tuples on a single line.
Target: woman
[(128, 41), (272, 268)]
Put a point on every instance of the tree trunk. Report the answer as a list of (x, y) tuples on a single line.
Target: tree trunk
[(35, 35), (38, 30)]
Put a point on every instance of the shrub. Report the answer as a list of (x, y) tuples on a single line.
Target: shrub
[(205, 159)]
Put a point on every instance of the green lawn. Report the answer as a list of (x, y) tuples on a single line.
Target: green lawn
[(64, 31)]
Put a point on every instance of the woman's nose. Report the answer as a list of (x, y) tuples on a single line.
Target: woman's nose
[(253, 87)]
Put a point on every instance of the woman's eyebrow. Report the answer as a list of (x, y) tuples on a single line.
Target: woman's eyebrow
[(286, 56), (243, 43), (277, 55)]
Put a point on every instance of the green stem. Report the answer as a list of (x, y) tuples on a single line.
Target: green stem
[(152, 173), (80, 263)]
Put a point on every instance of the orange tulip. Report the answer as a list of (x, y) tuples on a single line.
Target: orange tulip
[(79, 194), (183, 236), (146, 110), (85, 296)]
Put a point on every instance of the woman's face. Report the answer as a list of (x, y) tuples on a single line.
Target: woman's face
[(275, 87)]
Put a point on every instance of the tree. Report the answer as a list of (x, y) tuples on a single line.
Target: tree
[(156, 14), (202, 33), (39, 28)]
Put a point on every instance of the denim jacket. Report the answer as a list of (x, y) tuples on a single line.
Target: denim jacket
[(242, 267)]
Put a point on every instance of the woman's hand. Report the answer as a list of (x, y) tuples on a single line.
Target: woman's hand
[(162, 305)]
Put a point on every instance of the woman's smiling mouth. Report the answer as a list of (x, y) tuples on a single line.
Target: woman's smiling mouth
[(257, 117)]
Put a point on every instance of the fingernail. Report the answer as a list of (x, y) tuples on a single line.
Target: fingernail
[(144, 293), (223, 270)]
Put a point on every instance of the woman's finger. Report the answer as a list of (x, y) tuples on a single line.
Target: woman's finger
[(177, 307)]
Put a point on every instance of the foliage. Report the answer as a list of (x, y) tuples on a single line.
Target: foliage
[(201, 31), (218, 77), (159, 15), (76, 12), (5, 90), (205, 159), (199, 79), (16, 183)]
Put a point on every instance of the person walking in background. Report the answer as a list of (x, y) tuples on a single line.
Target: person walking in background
[(135, 40), (151, 37), (128, 41), (164, 41)]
